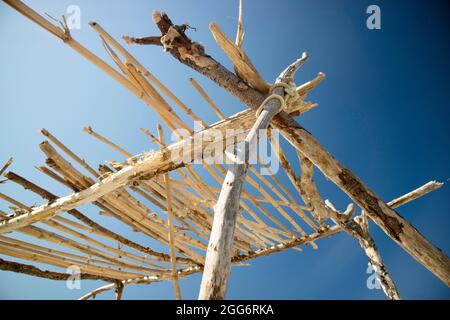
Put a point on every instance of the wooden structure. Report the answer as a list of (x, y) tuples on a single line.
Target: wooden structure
[(163, 196)]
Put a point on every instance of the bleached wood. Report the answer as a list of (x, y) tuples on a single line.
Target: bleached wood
[(307, 185), (218, 257), (205, 96), (170, 224), (97, 228), (426, 188), (240, 28), (94, 293), (118, 290), (158, 188)]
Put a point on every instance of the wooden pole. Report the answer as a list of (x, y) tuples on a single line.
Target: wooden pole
[(146, 165), (118, 291), (394, 225)]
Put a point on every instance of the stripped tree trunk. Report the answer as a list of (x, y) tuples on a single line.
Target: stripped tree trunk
[(358, 228), (218, 256)]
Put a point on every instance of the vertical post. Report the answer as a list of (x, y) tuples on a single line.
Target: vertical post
[(170, 225)]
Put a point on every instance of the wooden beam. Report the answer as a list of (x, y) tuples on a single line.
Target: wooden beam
[(118, 291), (144, 166)]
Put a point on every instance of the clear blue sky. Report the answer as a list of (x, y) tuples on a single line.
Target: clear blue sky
[(383, 113)]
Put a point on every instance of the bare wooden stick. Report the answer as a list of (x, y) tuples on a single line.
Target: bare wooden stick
[(69, 152), (119, 290), (6, 165), (395, 226), (205, 96), (148, 165), (426, 188), (242, 65), (170, 224), (144, 40), (308, 187)]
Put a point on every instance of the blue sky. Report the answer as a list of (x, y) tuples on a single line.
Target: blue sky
[(383, 113)]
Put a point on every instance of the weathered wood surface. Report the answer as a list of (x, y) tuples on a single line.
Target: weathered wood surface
[(46, 274), (359, 229), (218, 257), (144, 167), (192, 54)]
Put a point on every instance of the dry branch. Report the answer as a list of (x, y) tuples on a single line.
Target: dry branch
[(170, 224), (242, 65), (218, 257), (145, 166)]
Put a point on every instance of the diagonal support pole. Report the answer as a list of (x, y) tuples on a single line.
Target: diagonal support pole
[(218, 256)]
